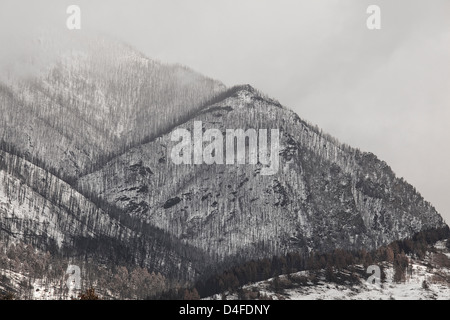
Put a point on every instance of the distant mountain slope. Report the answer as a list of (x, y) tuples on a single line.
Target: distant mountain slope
[(85, 169), (325, 194), (88, 105)]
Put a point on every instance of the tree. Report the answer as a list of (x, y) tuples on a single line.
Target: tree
[(389, 255), (89, 295), (340, 258), (191, 295), (395, 248), (329, 274), (8, 296), (400, 264), (276, 284), (368, 261)]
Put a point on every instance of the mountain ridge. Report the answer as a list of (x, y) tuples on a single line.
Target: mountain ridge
[(139, 210), (85, 170)]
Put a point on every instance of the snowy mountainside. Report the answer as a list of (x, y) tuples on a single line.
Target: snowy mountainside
[(324, 195), (40, 209), (86, 171), (94, 100)]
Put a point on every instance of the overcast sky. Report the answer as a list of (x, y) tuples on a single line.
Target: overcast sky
[(385, 91)]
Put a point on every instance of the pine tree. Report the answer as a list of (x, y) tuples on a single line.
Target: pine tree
[(89, 295), (389, 255), (191, 295), (400, 264), (329, 274), (8, 296)]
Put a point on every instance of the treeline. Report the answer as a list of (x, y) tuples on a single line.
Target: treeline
[(259, 270), (45, 270), (168, 127), (125, 282)]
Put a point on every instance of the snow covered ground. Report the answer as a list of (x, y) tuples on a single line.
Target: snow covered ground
[(38, 289), (433, 269), (426, 279)]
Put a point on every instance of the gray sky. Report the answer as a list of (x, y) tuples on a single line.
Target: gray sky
[(386, 91)]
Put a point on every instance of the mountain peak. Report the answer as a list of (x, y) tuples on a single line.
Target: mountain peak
[(246, 96), (248, 88)]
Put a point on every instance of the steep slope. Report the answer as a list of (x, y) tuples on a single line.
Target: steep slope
[(96, 98), (38, 208), (325, 194), (86, 170)]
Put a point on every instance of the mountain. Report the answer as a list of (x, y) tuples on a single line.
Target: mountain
[(324, 195), (87, 170)]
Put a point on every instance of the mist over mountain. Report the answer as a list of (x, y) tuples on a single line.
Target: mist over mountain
[(86, 172), (94, 101)]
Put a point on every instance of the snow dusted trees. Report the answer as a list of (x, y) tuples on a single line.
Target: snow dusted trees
[(326, 265), (46, 270), (90, 107), (400, 264), (140, 209), (138, 284)]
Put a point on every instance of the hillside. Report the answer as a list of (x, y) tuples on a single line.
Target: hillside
[(96, 98), (426, 278), (325, 195), (87, 174)]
